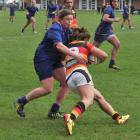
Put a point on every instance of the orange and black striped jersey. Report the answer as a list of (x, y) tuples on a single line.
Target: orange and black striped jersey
[(78, 47)]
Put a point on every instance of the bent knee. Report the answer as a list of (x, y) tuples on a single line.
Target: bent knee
[(47, 90)]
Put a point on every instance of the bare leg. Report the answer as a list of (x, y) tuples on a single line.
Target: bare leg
[(59, 74), (41, 91), (116, 45), (25, 26), (105, 106)]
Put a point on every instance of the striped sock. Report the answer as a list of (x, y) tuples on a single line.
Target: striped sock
[(78, 110)]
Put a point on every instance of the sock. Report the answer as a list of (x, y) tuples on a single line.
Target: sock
[(112, 62), (121, 26), (78, 110), (55, 108), (129, 27), (22, 100), (116, 116)]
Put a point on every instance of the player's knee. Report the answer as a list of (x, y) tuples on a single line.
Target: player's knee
[(47, 90), (88, 101), (99, 97), (117, 45)]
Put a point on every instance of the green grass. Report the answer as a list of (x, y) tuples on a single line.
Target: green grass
[(17, 77)]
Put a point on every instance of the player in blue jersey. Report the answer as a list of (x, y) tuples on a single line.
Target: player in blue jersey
[(126, 16), (105, 32), (52, 9), (48, 62), (12, 11), (30, 15)]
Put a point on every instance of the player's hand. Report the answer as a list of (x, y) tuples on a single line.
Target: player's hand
[(80, 59), (117, 19)]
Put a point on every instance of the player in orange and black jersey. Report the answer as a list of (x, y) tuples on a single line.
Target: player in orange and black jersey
[(79, 80), (69, 5)]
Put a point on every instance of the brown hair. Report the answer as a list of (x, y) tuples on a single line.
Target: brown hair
[(64, 13), (79, 34)]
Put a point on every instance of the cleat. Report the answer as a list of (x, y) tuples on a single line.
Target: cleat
[(20, 109), (114, 67), (55, 115), (69, 123), (123, 119), (122, 28), (35, 32)]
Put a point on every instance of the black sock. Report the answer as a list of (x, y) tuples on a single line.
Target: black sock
[(55, 108), (112, 62), (22, 100)]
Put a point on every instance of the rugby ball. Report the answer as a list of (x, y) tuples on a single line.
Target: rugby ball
[(92, 59)]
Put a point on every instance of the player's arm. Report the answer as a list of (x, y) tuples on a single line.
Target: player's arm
[(107, 18), (98, 53), (65, 50)]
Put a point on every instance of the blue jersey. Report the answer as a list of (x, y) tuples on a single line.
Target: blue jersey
[(32, 10), (125, 11), (106, 27), (12, 9), (47, 48), (52, 9)]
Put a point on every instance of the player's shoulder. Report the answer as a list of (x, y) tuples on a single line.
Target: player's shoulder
[(108, 9), (56, 26)]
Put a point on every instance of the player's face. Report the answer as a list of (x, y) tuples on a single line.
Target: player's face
[(69, 4), (115, 3), (33, 2), (66, 21)]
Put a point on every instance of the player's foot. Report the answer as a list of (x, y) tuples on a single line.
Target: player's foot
[(122, 28), (20, 109), (35, 32), (22, 31), (123, 119), (55, 115), (131, 27), (68, 123), (114, 67)]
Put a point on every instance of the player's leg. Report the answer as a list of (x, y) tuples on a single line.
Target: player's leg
[(33, 22), (44, 71), (86, 95), (107, 108), (45, 89), (59, 75), (116, 45), (122, 25)]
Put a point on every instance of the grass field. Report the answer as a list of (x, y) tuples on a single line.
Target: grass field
[(17, 77)]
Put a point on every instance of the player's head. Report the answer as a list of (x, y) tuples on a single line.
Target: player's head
[(80, 34), (51, 2), (65, 17), (68, 4), (114, 3), (33, 2)]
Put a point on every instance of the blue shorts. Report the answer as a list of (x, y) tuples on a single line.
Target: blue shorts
[(28, 17), (102, 37), (51, 15), (44, 69), (12, 13), (125, 17)]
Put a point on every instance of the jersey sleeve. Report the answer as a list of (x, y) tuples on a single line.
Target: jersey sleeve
[(55, 34), (90, 47), (108, 11)]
